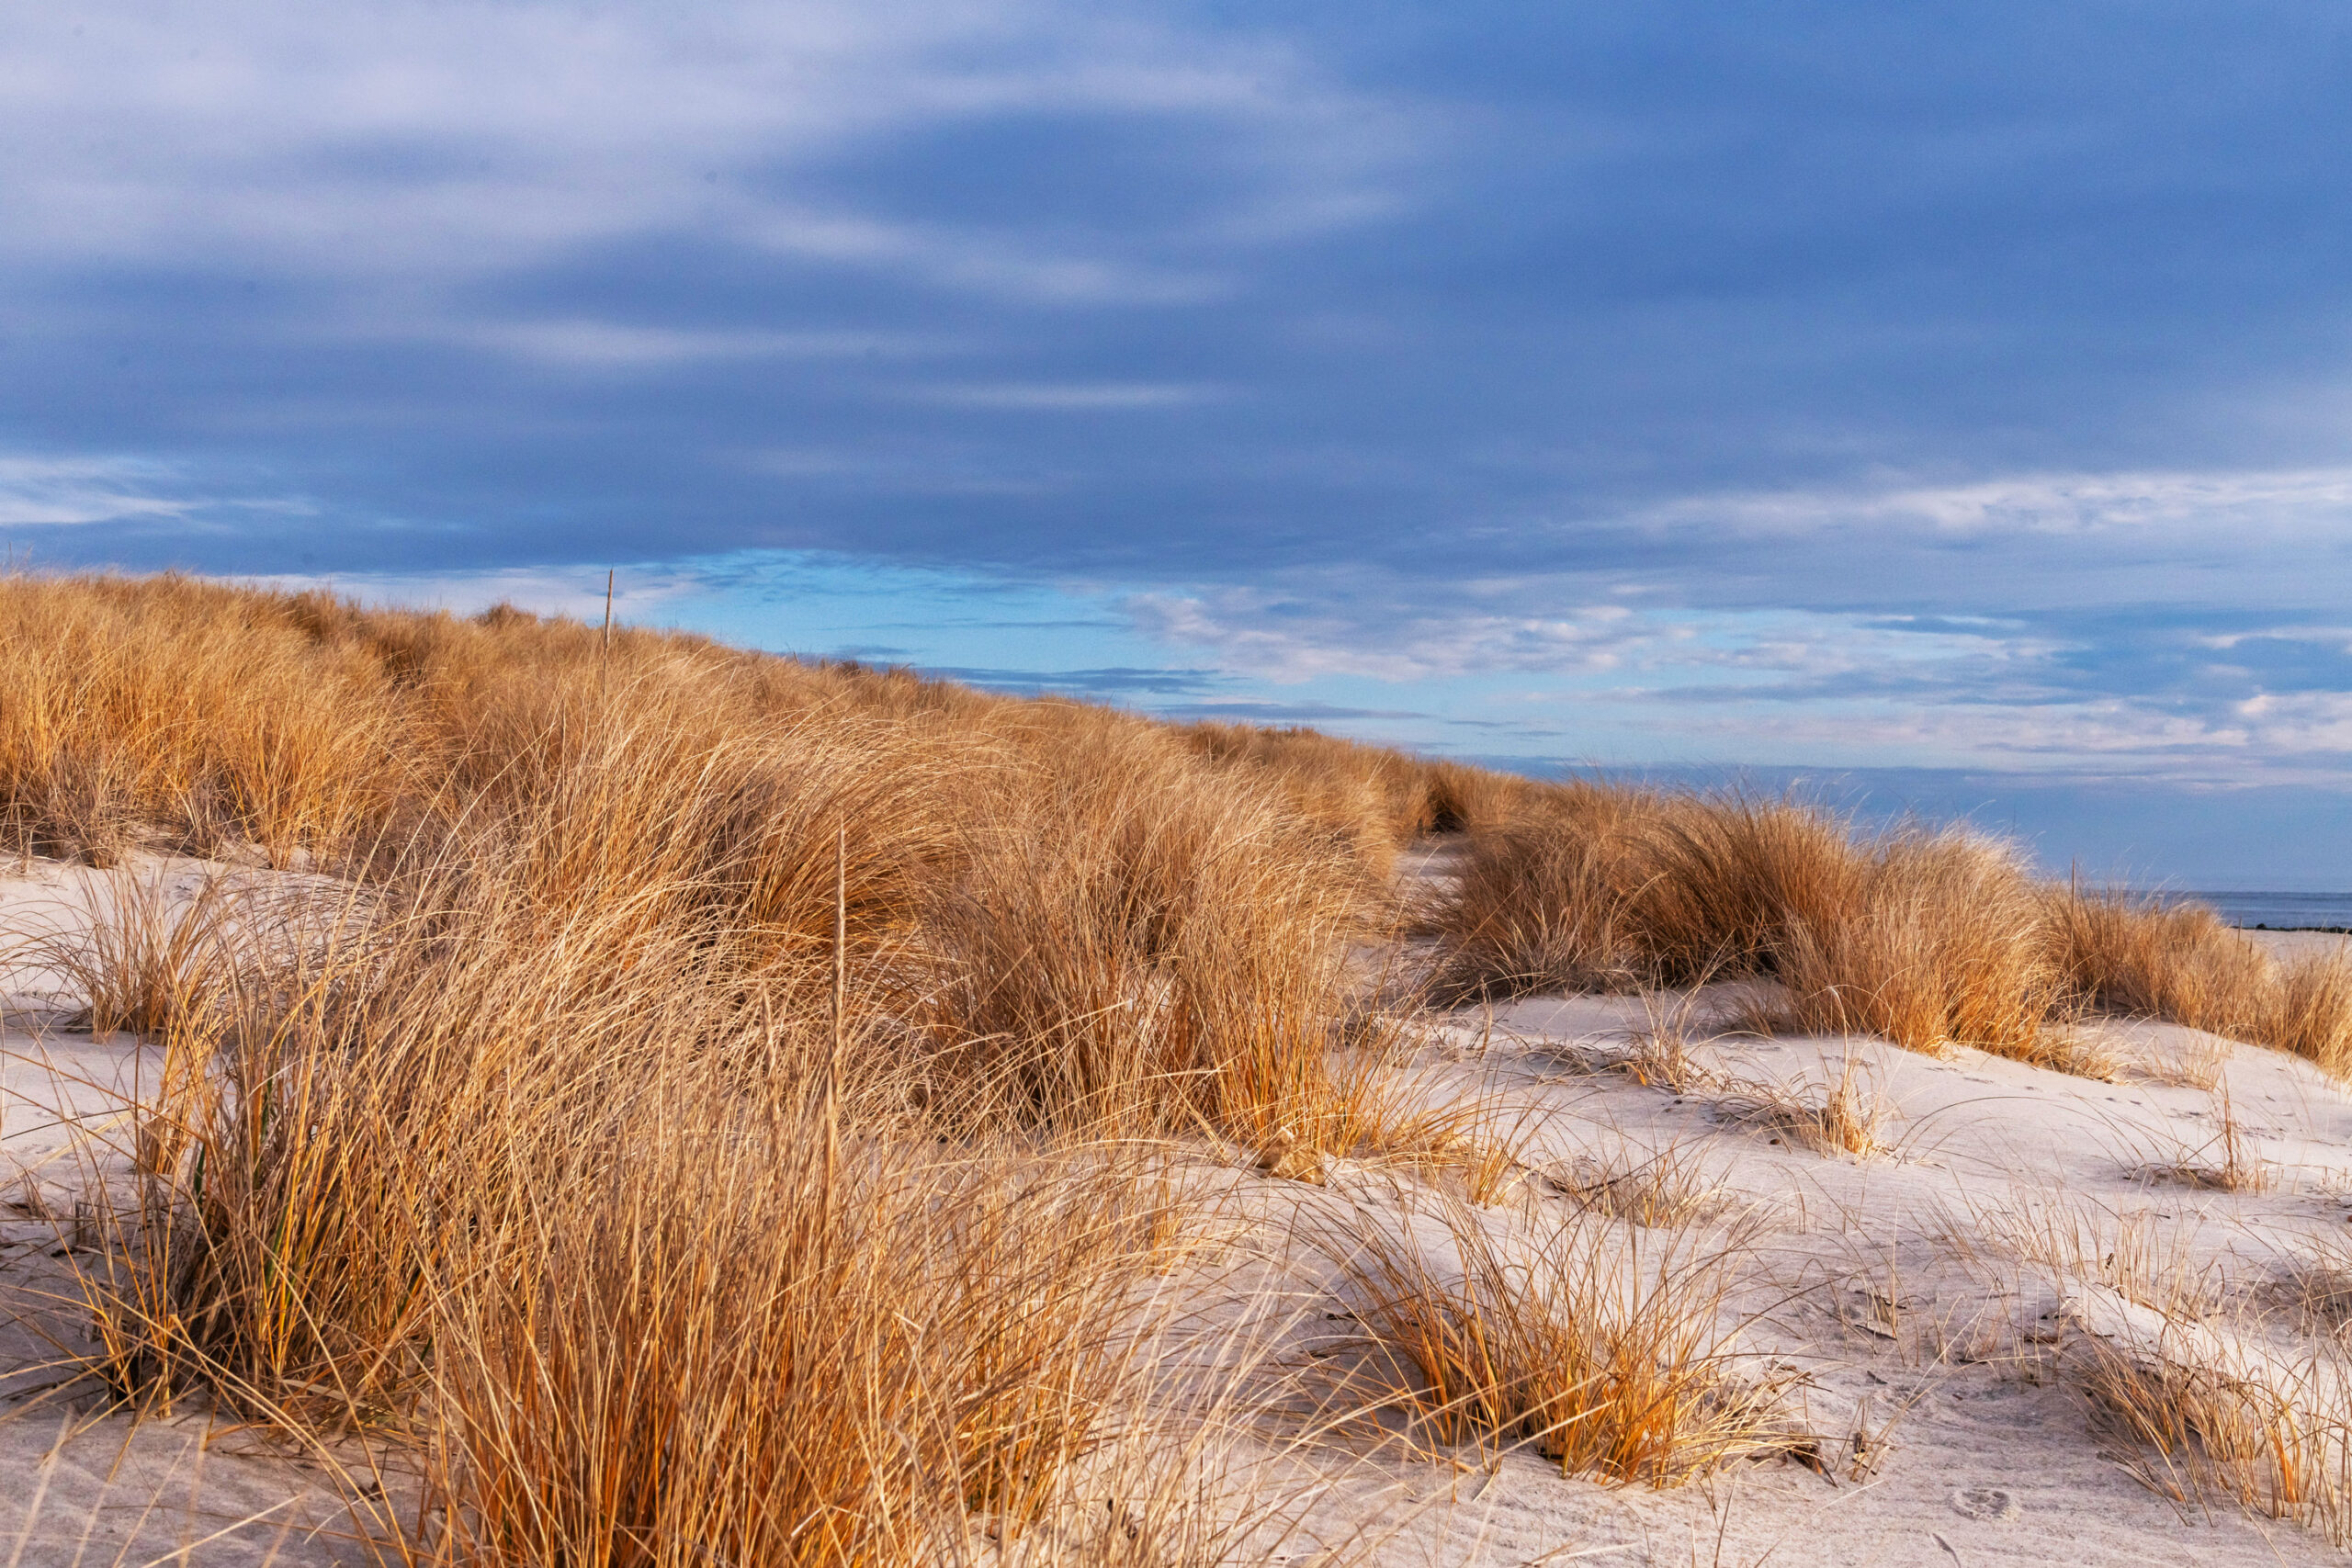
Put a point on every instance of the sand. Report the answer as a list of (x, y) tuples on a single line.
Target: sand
[(2298, 944), (1907, 1313), (1897, 1299), (83, 1485)]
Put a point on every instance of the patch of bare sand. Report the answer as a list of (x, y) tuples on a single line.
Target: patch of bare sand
[(1927, 1299), (2300, 944), (87, 1486)]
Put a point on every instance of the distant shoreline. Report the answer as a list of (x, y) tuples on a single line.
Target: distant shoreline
[(2279, 910)]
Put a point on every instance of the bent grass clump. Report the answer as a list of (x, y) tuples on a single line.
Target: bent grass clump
[(142, 959), (642, 1267), (2218, 1400), (2226, 1162), (720, 1346), (2219, 1408), (1606, 1354), (2210, 1433), (1852, 1114), (2146, 958), (1923, 938)]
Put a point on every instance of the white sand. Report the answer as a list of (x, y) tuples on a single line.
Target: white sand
[(2298, 944), (1975, 1406), (83, 1486)]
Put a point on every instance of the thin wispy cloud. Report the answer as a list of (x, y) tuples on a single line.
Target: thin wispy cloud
[(41, 492), (2277, 505), (1074, 396), (587, 344)]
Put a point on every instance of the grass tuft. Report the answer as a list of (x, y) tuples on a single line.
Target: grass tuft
[(1605, 1353)]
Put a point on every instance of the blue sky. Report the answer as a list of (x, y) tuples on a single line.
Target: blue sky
[(1948, 400)]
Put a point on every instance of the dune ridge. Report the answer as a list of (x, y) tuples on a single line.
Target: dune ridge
[(614, 1099)]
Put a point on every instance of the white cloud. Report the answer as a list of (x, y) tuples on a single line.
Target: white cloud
[(2302, 737), (50, 491), (1421, 631), (43, 491), (2266, 501), (1993, 734), (406, 143), (2337, 638), (2300, 721), (1274, 637), (639, 591)]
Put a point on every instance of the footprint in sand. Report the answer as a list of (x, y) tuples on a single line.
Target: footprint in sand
[(1985, 1503)]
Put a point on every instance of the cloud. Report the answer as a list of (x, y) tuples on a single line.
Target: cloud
[(1071, 397), (1301, 635), (2271, 503), (1657, 376), (68, 491), (90, 495), (1112, 683), (2300, 724), (1414, 629), (407, 142), (587, 344), (642, 595)]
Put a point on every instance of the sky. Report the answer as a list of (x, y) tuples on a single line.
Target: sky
[(1940, 407)]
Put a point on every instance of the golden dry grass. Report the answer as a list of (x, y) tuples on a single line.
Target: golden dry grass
[(299, 722), (1127, 942), (643, 1258), (1942, 945), (1602, 1347), (2215, 1399), (713, 1346), (711, 1106), (141, 959), (701, 1111), (1375, 797), (2210, 1433), (1927, 937), (1852, 1114)]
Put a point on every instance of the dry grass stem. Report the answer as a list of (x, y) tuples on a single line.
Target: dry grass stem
[(1668, 1188), (2226, 1162), (2217, 1416)]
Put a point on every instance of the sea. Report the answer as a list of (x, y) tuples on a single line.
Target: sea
[(2281, 911)]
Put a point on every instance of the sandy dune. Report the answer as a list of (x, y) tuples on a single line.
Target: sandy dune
[(1922, 1307)]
